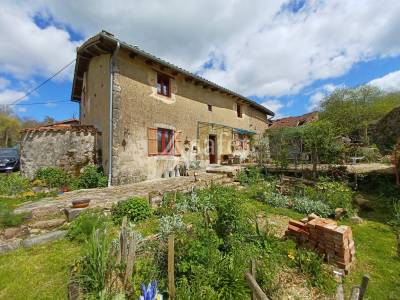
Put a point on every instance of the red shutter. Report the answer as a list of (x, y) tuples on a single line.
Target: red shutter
[(178, 143), (152, 141)]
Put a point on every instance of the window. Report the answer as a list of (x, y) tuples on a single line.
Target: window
[(165, 141), (239, 110), (209, 107), (163, 85)]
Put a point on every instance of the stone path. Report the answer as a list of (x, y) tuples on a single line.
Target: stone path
[(105, 197)]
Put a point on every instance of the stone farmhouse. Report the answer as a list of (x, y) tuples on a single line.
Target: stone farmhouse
[(154, 117)]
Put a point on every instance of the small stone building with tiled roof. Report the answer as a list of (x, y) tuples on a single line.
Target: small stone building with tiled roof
[(66, 144), (154, 116)]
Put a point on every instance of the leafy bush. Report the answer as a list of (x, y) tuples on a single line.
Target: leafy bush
[(370, 154), (92, 177), (333, 193), (170, 224), (277, 200), (307, 206), (300, 204), (81, 229), (13, 184), (136, 209), (54, 177), (251, 175)]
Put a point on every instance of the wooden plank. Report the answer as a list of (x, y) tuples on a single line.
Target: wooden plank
[(171, 267), (355, 293), (255, 288), (253, 273)]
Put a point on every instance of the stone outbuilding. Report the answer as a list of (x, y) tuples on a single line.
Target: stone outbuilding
[(156, 117), (66, 144)]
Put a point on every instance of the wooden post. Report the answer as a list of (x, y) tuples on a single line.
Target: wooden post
[(355, 293), (363, 287), (255, 288), (171, 267), (253, 273)]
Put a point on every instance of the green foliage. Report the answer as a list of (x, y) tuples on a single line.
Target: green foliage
[(320, 139), (307, 206), (285, 145), (92, 177), (136, 209), (54, 177), (94, 270), (371, 154), (251, 175), (9, 219), (170, 224), (277, 200), (81, 228), (13, 184), (301, 204), (333, 193), (310, 264)]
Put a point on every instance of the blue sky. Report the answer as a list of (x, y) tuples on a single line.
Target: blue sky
[(285, 54)]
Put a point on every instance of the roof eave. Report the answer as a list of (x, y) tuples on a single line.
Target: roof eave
[(107, 37)]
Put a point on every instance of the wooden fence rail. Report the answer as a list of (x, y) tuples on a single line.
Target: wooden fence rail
[(256, 292)]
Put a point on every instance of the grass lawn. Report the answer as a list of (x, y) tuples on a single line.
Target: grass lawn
[(376, 248), (38, 273)]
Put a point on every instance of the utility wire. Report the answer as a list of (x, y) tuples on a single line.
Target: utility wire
[(43, 83), (37, 103)]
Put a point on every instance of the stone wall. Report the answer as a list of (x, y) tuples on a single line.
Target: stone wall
[(137, 107), (70, 150)]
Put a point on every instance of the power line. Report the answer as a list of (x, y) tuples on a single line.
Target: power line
[(41, 84), (37, 103)]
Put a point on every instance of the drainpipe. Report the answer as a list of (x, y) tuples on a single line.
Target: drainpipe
[(110, 129)]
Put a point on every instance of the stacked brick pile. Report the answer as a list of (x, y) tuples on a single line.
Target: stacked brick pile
[(334, 242)]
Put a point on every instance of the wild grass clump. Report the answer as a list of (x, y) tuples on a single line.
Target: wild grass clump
[(9, 219), (13, 184)]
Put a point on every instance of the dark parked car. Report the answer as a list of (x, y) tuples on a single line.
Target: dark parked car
[(9, 159)]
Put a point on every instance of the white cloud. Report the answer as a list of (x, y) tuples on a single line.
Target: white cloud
[(21, 109), (8, 96), (265, 51), (315, 100), (28, 50), (276, 106), (390, 82)]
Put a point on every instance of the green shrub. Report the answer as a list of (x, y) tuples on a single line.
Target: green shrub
[(13, 184), (333, 193), (136, 209), (277, 200), (250, 175), (81, 229), (54, 177), (170, 224), (307, 206), (9, 219), (92, 177), (370, 154)]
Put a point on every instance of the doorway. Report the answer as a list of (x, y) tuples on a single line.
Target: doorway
[(212, 148)]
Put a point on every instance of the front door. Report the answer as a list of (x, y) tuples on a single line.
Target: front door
[(212, 148)]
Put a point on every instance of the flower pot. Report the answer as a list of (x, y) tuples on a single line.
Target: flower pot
[(80, 203)]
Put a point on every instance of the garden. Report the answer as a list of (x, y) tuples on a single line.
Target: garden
[(217, 232), (204, 243)]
